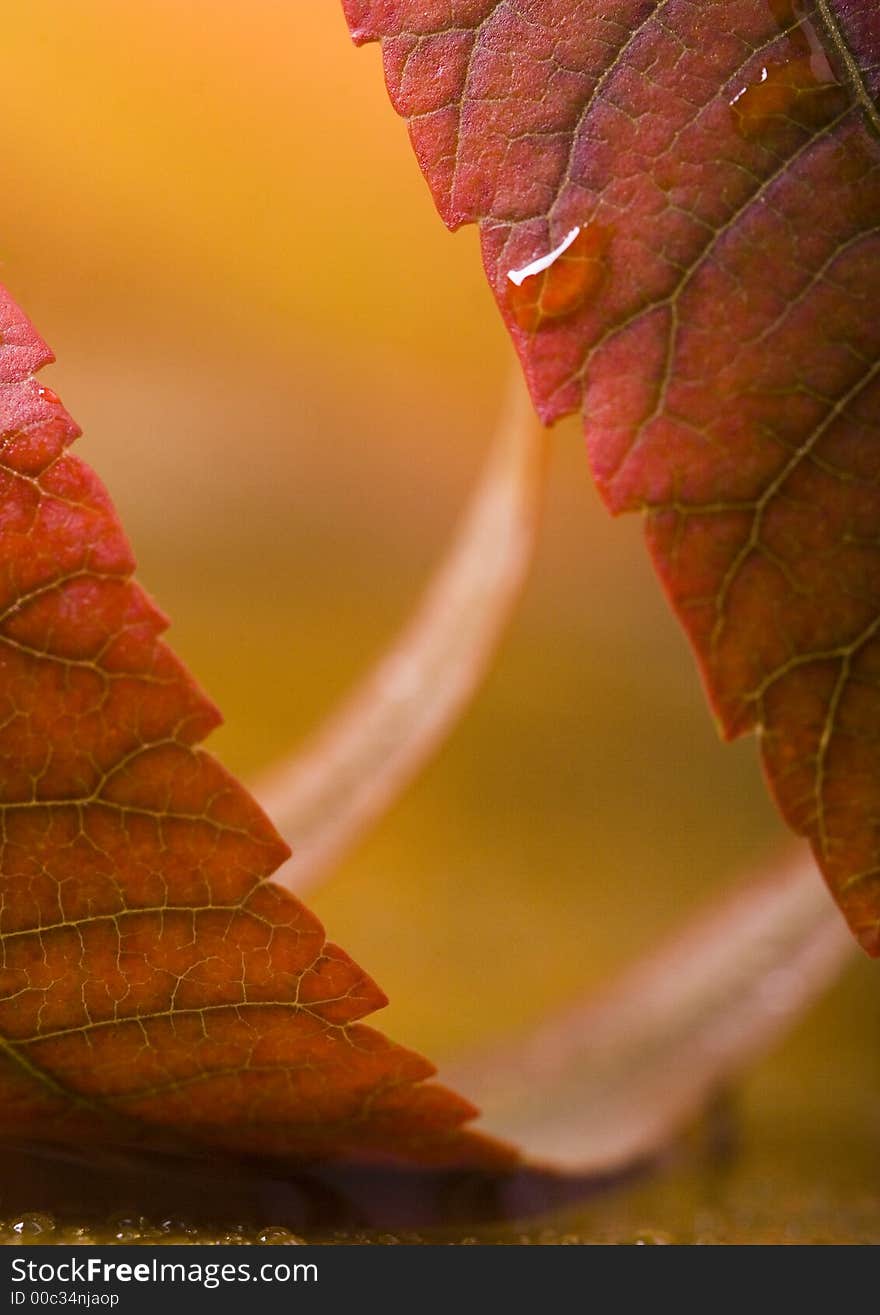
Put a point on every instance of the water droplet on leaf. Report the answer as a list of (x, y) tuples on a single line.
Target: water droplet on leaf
[(802, 90), (559, 283)]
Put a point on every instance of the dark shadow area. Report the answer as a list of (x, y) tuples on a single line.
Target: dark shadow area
[(89, 1187)]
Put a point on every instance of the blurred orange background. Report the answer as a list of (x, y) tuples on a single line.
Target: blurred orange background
[(288, 374)]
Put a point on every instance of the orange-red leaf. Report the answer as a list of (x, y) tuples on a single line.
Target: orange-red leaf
[(154, 983), (679, 203)]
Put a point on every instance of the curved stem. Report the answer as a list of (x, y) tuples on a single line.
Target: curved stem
[(327, 794), (610, 1081), (613, 1079)]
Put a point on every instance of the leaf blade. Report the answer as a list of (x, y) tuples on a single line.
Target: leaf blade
[(727, 363)]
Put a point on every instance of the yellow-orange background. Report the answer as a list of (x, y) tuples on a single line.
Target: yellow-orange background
[(288, 372)]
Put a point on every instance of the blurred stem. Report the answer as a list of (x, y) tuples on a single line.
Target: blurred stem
[(612, 1080), (360, 761)]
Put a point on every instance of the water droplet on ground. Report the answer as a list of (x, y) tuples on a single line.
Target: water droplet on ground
[(275, 1236), (33, 1227)]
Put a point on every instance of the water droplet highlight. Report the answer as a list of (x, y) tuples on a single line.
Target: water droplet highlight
[(559, 283)]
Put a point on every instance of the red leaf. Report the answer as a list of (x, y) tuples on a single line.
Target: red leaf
[(679, 205), (153, 981)]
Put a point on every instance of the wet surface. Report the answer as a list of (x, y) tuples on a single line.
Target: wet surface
[(740, 1177)]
